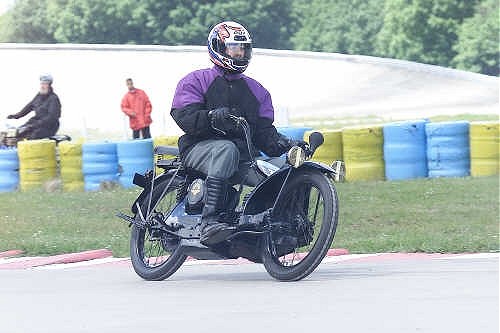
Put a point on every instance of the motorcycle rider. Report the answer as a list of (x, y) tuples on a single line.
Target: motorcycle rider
[(212, 143), (47, 109)]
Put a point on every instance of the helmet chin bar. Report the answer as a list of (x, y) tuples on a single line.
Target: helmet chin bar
[(232, 66)]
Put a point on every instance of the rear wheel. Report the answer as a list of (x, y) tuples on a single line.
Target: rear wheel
[(155, 254), (309, 208)]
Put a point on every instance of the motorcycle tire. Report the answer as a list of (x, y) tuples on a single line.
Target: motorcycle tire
[(315, 255), (138, 238)]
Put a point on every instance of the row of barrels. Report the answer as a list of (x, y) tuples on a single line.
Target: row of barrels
[(115, 162), (395, 151), (414, 149), (87, 166)]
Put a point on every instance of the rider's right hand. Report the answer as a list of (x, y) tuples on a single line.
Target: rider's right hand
[(220, 120), (11, 116)]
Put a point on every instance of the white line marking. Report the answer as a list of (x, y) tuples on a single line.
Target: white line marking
[(472, 256), (81, 263), (10, 260), (331, 259), (345, 257)]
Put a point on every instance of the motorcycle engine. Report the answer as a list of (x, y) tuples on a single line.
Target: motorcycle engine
[(195, 195)]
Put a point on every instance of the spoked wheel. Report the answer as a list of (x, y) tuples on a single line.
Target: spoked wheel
[(156, 254), (309, 208)]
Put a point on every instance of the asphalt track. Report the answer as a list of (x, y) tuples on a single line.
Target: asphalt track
[(434, 294)]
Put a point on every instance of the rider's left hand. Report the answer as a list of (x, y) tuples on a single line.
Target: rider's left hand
[(302, 144), (23, 129), (11, 116)]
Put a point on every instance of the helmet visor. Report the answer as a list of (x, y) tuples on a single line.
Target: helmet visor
[(239, 51)]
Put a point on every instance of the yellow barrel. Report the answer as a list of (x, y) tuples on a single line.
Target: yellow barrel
[(73, 186), (484, 148), (37, 163), (164, 141), (70, 155), (331, 149), (363, 153)]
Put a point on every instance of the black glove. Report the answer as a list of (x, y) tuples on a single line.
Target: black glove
[(23, 130), (301, 143), (287, 143), (220, 120), (11, 116)]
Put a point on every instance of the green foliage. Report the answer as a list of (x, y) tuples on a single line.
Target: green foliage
[(26, 23), (145, 22), (422, 30), (3, 29), (338, 25), (456, 33), (478, 44), (97, 21), (268, 21)]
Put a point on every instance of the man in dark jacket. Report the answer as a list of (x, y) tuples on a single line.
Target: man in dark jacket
[(47, 109), (202, 104)]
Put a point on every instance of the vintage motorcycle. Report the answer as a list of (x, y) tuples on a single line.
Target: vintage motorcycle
[(287, 220)]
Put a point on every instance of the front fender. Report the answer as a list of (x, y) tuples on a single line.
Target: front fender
[(318, 166), (264, 194)]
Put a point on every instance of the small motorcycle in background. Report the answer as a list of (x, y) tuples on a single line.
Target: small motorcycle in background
[(11, 135), (8, 137)]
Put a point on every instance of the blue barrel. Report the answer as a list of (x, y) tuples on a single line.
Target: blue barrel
[(99, 164), (134, 157), (9, 170), (295, 133), (405, 150), (448, 151)]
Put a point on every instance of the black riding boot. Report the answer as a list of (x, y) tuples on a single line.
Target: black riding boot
[(213, 231)]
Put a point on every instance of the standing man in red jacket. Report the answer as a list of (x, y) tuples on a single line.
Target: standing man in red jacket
[(136, 105)]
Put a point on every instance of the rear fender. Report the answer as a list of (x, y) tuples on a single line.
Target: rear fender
[(142, 181)]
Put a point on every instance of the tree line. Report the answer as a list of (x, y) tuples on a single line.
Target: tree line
[(452, 33)]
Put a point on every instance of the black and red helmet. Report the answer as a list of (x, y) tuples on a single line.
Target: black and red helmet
[(222, 38)]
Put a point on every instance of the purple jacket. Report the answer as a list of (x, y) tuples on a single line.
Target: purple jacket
[(212, 88)]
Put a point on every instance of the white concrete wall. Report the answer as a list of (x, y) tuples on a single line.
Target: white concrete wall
[(90, 82)]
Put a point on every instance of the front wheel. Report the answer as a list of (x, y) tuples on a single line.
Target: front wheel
[(156, 255), (309, 207)]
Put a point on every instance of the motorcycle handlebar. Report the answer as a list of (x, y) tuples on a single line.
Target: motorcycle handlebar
[(242, 122), (238, 120)]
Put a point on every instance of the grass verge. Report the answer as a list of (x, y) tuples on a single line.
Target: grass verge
[(427, 215)]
